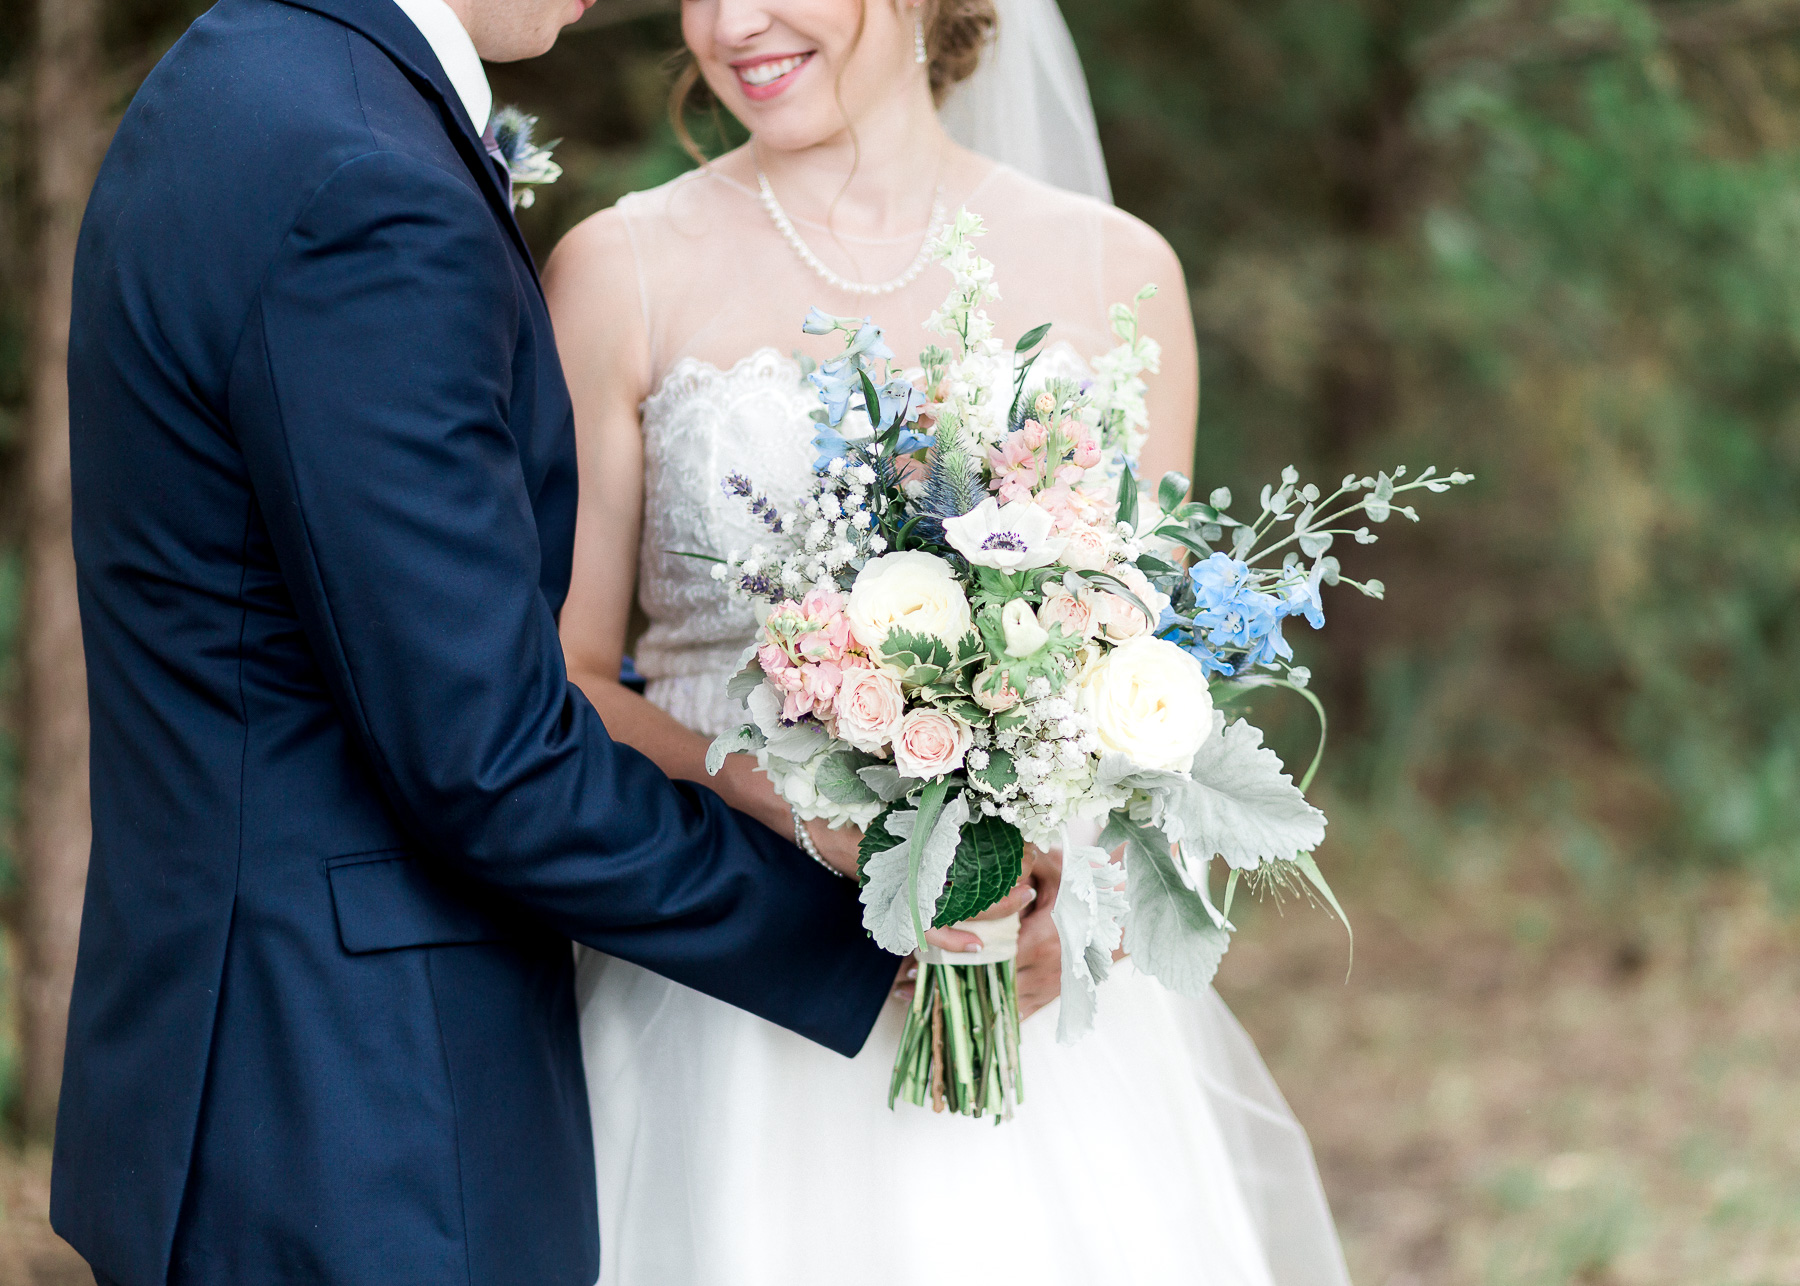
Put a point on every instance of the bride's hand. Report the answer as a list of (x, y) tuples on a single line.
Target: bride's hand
[(1017, 902), (838, 847)]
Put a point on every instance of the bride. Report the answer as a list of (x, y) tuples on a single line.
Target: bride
[(731, 1152)]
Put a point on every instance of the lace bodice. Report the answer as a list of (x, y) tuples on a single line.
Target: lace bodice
[(717, 282), (700, 425)]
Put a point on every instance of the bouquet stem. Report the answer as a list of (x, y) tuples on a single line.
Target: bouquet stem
[(960, 1046)]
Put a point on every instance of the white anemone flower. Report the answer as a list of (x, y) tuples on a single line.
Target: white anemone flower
[(1011, 537)]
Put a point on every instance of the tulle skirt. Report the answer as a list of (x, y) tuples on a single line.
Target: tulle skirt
[(734, 1153)]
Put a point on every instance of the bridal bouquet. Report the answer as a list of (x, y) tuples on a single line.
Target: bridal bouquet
[(974, 637)]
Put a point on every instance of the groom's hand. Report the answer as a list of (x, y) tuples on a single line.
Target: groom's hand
[(1040, 950)]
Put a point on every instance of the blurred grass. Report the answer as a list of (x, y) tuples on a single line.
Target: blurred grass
[(1521, 1086)]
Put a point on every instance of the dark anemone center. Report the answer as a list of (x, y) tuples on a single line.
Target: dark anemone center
[(1009, 540)]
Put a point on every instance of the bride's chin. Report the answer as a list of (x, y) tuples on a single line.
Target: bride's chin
[(777, 132)]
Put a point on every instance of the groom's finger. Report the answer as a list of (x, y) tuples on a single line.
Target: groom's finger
[(1039, 964)]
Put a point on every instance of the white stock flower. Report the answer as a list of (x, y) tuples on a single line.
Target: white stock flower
[(912, 591), (1149, 702), (1011, 537)]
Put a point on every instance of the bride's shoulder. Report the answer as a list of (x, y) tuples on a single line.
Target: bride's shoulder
[(1082, 227), (635, 234)]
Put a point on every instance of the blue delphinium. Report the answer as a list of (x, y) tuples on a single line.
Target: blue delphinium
[(1233, 618), (840, 379)]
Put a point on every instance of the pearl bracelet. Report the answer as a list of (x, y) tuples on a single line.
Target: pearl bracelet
[(805, 841)]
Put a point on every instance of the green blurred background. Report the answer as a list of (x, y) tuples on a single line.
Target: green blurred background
[(1552, 242)]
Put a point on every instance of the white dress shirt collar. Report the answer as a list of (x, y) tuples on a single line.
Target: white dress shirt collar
[(444, 32)]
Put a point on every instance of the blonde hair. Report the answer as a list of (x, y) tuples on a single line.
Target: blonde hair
[(956, 32)]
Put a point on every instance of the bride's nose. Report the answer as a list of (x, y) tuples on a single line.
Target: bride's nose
[(738, 22)]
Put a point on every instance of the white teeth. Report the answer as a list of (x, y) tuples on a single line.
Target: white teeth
[(765, 73)]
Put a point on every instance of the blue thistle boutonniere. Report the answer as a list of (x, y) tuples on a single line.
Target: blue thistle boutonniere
[(529, 164)]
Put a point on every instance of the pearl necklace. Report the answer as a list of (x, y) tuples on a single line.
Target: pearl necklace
[(785, 226)]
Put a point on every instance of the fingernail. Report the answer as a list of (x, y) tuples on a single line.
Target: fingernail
[(1030, 896), (912, 973), (974, 946), (900, 993)]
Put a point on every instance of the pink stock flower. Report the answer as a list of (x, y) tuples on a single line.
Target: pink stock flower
[(1087, 453), (806, 648)]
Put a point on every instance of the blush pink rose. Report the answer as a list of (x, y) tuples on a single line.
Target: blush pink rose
[(868, 707), (994, 692), (1118, 620), (930, 744), (1086, 550), (1074, 616)]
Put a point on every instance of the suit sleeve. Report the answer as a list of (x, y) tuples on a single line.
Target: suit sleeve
[(370, 396)]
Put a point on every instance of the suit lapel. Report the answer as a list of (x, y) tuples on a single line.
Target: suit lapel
[(383, 23)]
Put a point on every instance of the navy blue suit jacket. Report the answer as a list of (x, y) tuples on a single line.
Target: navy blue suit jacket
[(348, 810)]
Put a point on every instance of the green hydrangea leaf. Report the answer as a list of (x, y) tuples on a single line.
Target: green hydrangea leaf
[(989, 859)]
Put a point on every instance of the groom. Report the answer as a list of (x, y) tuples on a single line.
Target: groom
[(348, 810)]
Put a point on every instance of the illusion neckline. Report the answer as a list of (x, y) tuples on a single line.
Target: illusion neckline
[(994, 168)]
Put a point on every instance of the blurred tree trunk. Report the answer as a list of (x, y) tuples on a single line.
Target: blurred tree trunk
[(54, 824)]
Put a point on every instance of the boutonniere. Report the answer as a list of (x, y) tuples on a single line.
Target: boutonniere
[(529, 164)]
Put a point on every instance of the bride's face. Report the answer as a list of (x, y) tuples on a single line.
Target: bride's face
[(796, 71)]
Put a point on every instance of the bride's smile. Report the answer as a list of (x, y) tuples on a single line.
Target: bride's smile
[(764, 78)]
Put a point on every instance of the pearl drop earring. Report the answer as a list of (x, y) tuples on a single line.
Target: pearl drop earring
[(919, 54)]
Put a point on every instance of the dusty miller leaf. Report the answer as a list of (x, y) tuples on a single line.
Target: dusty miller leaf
[(1168, 931), (887, 783), (838, 781), (1089, 916), (747, 679), (743, 739), (1239, 805), (886, 913)]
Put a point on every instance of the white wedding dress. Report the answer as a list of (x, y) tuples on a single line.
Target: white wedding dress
[(734, 1153)]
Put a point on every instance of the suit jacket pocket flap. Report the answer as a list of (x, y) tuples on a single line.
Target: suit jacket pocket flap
[(385, 901)]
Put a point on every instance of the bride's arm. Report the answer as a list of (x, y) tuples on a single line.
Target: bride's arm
[(1136, 254), (592, 286)]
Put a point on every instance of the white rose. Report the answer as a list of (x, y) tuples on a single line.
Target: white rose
[(930, 744), (1023, 633), (1149, 702), (868, 707), (912, 591)]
